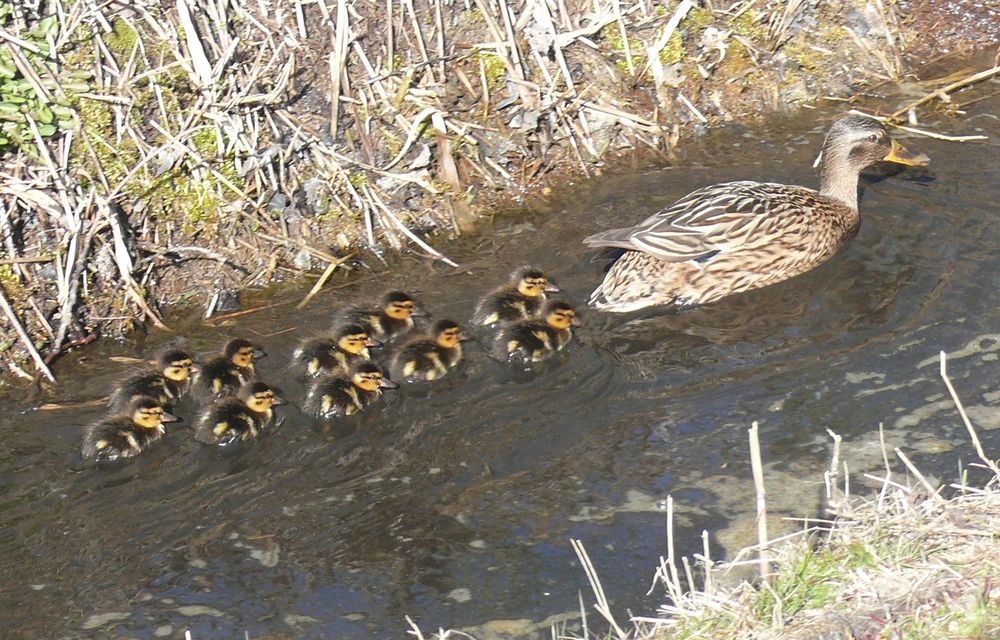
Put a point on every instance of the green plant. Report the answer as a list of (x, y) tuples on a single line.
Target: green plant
[(39, 101)]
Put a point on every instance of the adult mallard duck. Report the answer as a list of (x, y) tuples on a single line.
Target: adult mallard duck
[(733, 237)]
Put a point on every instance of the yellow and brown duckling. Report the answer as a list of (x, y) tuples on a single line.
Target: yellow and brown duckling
[(125, 434), (335, 396), (393, 318), (223, 375), (238, 417), (167, 383), (536, 339), (733, 237), (519, 300), (429, 357), (349, 345)]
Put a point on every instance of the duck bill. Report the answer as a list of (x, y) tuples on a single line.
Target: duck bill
[(900, 155), (372, 343), (259, 353), (386, 383), (418, 313), (169, 417), (276, 401), (550, 287), (576, 322)]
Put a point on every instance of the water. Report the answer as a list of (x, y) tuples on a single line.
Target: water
[(455, 504)]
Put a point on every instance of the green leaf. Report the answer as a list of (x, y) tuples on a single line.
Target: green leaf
[(46, 130)]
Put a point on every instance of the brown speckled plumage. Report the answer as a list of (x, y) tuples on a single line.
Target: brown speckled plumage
[(733, 237)]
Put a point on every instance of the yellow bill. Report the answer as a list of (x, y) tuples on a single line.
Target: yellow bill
[(898, 153)]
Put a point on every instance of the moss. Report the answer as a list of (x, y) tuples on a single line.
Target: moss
[(10, 282), (674, 49), (748, 26), (123, 38), (494, 68)]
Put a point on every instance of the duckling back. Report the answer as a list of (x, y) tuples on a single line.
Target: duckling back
[(334, 396), (152, 384), (219, 377), (315, 356), (429, 357), (506, 305), (227, 421), (238, 417)]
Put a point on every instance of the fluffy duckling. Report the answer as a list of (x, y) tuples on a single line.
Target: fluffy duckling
[(349, 345), (393, 318), (240, 417), (429, 357), (534, 340), (520, 300), (167, 383), (125, 434), (337, 396), (224, 374)]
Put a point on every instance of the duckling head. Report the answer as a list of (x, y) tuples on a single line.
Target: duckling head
[(447, 334), (369, 376), (353, 339), (398, 305), (532, 282), (148, 413), (560, 316), (176, 365), (259, 396), (242, 352)]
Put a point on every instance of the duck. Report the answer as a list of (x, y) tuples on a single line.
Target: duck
[(126, 433), (521, 299), (224, 374), (429, 357), (732, 237), (334, 396), (536, 339), (238, 417), (349, 344), (167, 383), (393, 318)]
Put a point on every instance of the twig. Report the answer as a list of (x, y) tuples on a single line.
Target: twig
[(758, 482), (965, 419), (25, 340), (319, 284), (942, 92)]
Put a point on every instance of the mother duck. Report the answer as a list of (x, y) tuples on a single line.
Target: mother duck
[(736, 236)]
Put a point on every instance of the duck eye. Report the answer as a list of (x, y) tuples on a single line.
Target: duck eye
[(873, 137)]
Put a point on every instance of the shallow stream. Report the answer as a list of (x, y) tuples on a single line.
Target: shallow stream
[(455, 503)]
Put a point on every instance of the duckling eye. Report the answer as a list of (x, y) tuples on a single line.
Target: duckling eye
[(873, 137)]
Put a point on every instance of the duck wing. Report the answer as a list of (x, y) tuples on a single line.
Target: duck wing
[(709, 221)]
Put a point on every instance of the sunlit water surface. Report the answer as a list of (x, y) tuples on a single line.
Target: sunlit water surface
[(455, 504)]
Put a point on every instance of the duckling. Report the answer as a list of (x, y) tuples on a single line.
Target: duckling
[(520, 300), (239, 417), (429, 357), (125, 434), (335, 396), (224, 374), (350, 345), (534, 340), (393, 318), (167, 383)]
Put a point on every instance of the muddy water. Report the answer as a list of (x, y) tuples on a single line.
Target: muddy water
[(454, 504)]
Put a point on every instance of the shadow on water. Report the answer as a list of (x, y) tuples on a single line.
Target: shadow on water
[(454, 503)]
